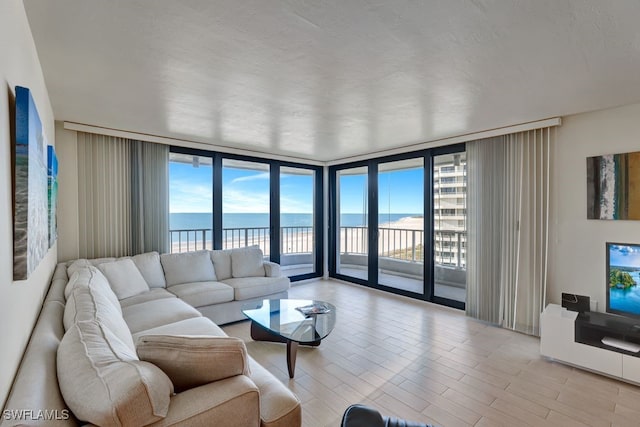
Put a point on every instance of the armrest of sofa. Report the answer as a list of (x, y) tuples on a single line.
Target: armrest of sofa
[(232, 401), (272, 269)]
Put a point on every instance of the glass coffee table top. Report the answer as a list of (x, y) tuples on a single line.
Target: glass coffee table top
[(285, 318)]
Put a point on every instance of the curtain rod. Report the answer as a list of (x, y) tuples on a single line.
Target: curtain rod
[(185, 143), (556, 121)]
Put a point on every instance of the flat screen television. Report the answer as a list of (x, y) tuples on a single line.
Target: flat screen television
[(623, 279)]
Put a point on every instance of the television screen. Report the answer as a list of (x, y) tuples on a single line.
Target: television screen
[(623, 278)]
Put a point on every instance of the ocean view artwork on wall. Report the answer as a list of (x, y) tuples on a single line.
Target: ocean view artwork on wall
[(613, 186), (31, 220), (52, 193)]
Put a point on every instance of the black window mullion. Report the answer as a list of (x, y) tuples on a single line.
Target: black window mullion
[(274, 208), (427, 250), (373, 222), (217, 201)]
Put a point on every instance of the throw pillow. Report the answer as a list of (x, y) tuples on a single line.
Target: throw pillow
[(104, 383), (188, 267), (124, 278), (151, 269), (247, 262), (191, 361)]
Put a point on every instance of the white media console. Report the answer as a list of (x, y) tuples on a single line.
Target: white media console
[(597, 342)]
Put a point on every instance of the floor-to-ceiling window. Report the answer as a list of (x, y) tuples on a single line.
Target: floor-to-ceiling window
[(351, 230), (298, 233), (246, 205), (415, 204), (190, 202), (401, 224), (224, 201), (450, 225)]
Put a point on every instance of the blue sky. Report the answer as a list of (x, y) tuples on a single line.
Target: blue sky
[(244, 191), (247, 191), (398, 192), (624, 255)]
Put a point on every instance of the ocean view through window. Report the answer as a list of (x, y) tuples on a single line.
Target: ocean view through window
[(224, 203)]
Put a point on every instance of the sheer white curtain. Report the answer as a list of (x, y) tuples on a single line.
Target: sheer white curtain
[(508, 185), (123, 196)]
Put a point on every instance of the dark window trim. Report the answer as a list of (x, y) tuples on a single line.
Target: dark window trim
[(373, 164), (274, 201)]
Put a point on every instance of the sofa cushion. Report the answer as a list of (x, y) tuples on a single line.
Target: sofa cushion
[(247, 262), (91, 275), (88, 303), (192, 326), (151, 269), (255, 287), (272, 269), (279, 407), (103, 382), (199, 294), (73, 266), (124, 278), (190, 361), (187, 267), (151, 314), (153, 294), (222, 263)]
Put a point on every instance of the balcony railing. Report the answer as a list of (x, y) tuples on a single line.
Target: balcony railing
[(394, 243)]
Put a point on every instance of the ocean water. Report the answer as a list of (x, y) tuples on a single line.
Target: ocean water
[(183, 221)]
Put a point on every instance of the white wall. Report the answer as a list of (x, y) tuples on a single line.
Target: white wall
[(577, 246), (20, 302)]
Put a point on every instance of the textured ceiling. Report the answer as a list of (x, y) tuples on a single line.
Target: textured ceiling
[(324, 80)]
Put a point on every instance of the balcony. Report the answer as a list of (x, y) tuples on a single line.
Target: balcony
[(400, 251)]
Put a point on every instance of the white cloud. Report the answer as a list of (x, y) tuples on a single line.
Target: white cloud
[(258, 176), (234, 201)]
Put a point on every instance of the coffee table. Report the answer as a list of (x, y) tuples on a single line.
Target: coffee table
[(278, 320)]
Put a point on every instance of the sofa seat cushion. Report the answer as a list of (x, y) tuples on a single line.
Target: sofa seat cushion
[(158, 312), (153, 294), (194, 326), (233, 401), (279, 407), (191, 361), (187, 267), (200, 294), (255, 287), (104, 383)]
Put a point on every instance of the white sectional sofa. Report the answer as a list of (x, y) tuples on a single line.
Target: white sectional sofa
[(124, 342)]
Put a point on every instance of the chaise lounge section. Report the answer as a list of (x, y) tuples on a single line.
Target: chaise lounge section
[(124, 342)]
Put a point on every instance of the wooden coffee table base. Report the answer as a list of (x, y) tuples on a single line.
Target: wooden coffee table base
[(260, 333)]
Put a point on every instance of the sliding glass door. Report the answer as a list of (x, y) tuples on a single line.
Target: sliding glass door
[(352, 223), (401, 224), (298, 232)]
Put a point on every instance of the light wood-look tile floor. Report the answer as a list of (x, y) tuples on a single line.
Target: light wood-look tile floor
[(428, 363)]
